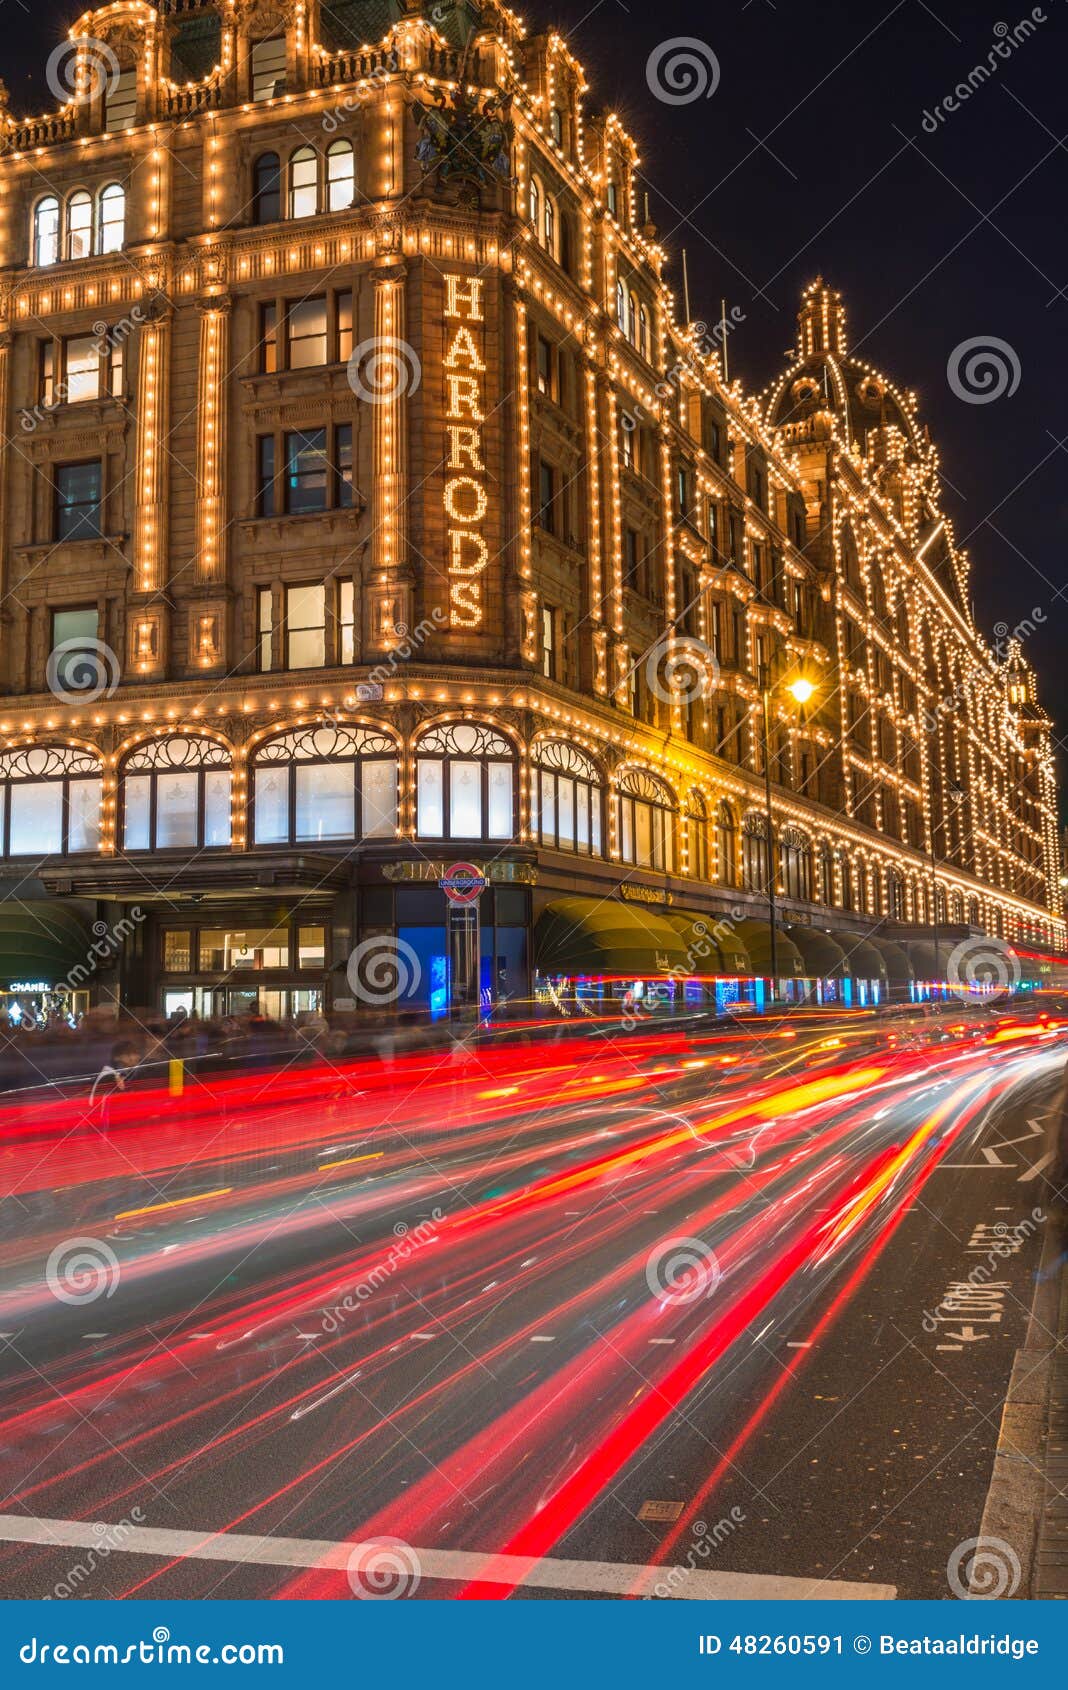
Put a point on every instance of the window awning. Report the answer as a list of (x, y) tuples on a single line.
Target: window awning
[(922, 957), (898, 967), (823, 956), (725, 954), (756, 937), (865, 960), (44, 942), (603, 936)]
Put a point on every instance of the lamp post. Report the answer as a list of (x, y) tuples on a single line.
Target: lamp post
[(800, 690)]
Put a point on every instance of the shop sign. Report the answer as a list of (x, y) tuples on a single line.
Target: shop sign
[(644, 894), (368, 692), (29, 986)]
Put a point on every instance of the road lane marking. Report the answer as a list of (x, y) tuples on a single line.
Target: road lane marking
[(543, 1338), (605, 1578), (175, 1203), (798, 1344), (347, 1161)]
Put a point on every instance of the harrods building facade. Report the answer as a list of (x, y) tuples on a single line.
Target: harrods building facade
[(366, 506)]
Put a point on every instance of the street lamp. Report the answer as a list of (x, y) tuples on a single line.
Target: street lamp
[(801, 689)]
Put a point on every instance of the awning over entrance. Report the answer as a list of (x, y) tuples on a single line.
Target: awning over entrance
[(756, 936), (864, 959), (898, 967), (922, 957), (726, 954), (602, 936), (42, 943), (823, 956)]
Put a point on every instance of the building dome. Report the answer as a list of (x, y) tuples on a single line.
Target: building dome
[(826, 386)]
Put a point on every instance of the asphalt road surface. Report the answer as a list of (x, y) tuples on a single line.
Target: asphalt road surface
[(678, 1314)]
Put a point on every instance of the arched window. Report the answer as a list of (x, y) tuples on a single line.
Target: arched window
[(845, 874), (726, 845), (643, 331), (754, 853), (646, 817), (941, 912), (895, 895), (534, 205), (795, 864), (956, 907), (567, 798), (49, 801), (325, 784), (111, 219), (340, 176), (550, 226), (176, 793), (267, 189), (465, 783), (621, 306), (304, 182), (697, 835), (860, 881), (974, 917), (46, 231), (79, 225)]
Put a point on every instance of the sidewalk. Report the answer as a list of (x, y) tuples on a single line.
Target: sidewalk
[(1050, 1572)]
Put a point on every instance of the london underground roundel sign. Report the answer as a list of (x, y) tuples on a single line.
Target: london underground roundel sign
[(463, 883)]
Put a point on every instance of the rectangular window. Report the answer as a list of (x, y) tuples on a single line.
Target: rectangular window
[(268, 339), (631, 558), (116, 357), (544, 366), (306, 471), (176, 809), (250, 948), (81, 368), (548, 642), (120, 104), (326, 804), (265, 627), (682, 491), (465, 799), (379, 797), (628, 435), (546, 509), (83, 815), (36, 817), (137, 791), (346, 622), (177, 951), (46, 383), (306, 333), (343, 466), (217, 807), (500, 801), (272, 805), (74, 635), (266, 501), (311, 947), (344, 327), (268, 68), (79, 496), (306, 627), (430, 802)]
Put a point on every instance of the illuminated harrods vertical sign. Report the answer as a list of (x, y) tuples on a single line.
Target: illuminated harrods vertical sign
[(466, 497)]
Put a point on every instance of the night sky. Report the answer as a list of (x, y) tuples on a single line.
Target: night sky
[(811, 156)]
